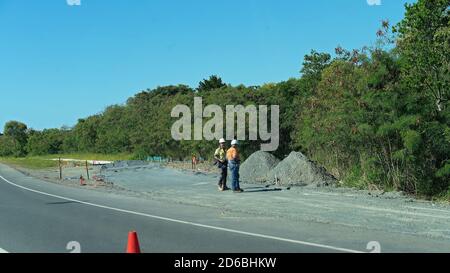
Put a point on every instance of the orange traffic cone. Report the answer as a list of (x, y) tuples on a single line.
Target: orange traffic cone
[(133, 243)]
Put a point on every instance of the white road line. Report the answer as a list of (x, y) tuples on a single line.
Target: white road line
[(187, 222), (2, 251)]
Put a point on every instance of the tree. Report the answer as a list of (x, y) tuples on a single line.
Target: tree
[(113, 131), (49, 141), (423, 43), (214, 82), (424, 49), (6, 146), (17, 131), (314, 64), (86, 133)]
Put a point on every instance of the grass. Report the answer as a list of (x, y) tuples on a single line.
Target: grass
[(91, 156), (34, 163), (443, 197), (45, 162)]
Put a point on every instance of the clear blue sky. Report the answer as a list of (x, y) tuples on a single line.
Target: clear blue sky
[(59, 63)]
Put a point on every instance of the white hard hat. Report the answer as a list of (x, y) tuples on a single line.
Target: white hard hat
[(234, 142), (222, 140)]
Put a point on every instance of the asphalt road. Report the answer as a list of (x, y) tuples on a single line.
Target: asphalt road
[(38, 216)]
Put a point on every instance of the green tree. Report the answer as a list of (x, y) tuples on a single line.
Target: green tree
[(423, 43), (214, 82), (85, 133), (314, 63), (424, 50), (6, 146), (113, 131), (17, 131), (49, 141)]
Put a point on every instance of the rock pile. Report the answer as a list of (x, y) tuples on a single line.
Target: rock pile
[(298, 170), (257, 166)]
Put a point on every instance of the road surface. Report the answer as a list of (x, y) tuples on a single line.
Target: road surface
[(38, 216)]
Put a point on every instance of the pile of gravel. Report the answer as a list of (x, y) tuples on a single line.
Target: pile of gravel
[(257, 166), (298, 170)]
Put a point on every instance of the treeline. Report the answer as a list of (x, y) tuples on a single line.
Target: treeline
[(375, 117)]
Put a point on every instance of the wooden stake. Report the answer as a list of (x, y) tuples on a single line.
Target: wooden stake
[(60, 169), (87, 170)]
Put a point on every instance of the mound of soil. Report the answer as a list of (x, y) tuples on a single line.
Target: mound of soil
[(298, 170), (256, 168)]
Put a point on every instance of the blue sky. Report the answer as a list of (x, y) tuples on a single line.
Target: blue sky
[(59, 63)]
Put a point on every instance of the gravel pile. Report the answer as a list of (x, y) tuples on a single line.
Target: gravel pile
[(298, 170), (257, 166)]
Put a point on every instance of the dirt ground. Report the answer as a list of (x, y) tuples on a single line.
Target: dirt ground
[(202, 167)]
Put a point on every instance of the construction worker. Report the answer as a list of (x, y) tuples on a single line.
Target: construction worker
[(222, 164), (194, 161), (234, 162)]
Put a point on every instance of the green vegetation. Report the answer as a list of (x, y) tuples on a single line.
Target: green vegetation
[(34, 163), (375, 117), (88, 156), (46, 161)]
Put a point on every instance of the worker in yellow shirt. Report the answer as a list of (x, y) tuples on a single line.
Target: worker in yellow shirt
[(220, 157), (234, 162)]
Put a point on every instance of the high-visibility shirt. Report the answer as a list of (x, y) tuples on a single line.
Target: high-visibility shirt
[(233, 154), (220, 153)]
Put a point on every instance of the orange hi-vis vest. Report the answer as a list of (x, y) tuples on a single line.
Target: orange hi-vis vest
[(233, 154)]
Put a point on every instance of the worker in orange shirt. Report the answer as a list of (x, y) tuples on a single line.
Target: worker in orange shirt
[(234, 162)]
